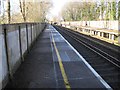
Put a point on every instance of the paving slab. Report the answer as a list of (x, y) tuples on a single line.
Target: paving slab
[(41, 68)]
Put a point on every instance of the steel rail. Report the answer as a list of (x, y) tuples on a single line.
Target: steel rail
[(89, 46), (97, 48)]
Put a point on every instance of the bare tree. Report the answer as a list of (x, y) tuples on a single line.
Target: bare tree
[(33, 11), (22, 9), (0, 6), (8, 11)]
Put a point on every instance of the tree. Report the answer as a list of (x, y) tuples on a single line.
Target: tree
[(29, 11), (8, 11), (23, 9), (101, 10), (119, 10), (113, 10), (75, 11), (34, 11)]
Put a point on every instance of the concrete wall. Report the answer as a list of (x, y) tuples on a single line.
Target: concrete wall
[(0, 56), (13, 46), (23, 34), (16, 41), (115, 25), (29, 35), (3, 59)]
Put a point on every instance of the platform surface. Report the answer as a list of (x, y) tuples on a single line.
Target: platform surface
[(54, 63)]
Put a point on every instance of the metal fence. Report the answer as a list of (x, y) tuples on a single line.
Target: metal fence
[(15, 43)]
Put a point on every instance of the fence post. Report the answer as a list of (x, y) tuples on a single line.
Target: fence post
[(7, 53), (22, 58), (27, 38), (35, 31), (31, 33)]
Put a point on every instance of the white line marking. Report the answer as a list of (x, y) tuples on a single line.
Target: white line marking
[(88, 65)]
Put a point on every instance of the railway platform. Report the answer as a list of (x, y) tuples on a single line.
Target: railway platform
[(54, 63)]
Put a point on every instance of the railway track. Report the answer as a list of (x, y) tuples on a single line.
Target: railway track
[(104, 60)]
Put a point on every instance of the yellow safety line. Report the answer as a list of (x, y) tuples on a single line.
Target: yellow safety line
[(66, 82)]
